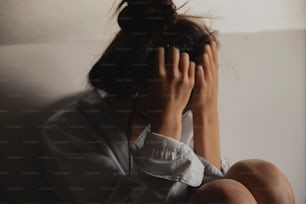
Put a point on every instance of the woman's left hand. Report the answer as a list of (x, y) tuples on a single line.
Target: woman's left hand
[(205, 92)]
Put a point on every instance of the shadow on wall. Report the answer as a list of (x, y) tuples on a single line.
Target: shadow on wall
[(22, 178)]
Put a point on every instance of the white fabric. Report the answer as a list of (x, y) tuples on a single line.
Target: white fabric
[(86, 158)]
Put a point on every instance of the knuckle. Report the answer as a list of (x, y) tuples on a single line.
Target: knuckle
[(188, 82), (177, 75), (161, 75), (173, 76), (185, 80)]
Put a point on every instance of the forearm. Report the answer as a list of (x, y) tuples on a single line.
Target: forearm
[(168, 124), (206, 136)]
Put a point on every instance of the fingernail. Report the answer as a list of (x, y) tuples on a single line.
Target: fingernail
[(159, 48)]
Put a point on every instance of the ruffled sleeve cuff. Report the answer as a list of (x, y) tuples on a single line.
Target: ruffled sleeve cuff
[(167, 158), (212, 172)]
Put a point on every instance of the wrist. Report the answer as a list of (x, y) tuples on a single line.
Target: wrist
[(201, 117), (167, 124), (167, 116), (206, 112)]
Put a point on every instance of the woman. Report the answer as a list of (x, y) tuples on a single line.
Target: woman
[(149, 130)]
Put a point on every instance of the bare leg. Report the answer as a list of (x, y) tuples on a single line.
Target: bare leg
[(264, 180), (223, 191)]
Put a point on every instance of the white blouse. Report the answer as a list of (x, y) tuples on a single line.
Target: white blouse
[(87, 158)]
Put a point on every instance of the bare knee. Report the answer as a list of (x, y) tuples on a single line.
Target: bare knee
[(223, 191), (264, 180)]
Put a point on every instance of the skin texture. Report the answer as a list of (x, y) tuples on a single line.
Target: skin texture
[(177, 81), (223, 191), (247, 181), (266, 182), (204, 106), (171, 86), (169, 91)]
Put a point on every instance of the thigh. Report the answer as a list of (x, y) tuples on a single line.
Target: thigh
[(264, 180), (223, 191)]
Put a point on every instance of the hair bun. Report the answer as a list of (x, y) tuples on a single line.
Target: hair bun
[(146, 15)]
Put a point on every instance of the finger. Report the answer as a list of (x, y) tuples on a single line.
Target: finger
[(207, 67), (199, 75), (203, 62), (174, 55), (214, 61), (161, 68), (208, 50), (215, 52), (191, 71), (184, 64)]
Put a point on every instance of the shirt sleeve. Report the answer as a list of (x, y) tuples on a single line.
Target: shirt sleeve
[(170, 159), (211, 172), (82, 173), (165, 168), (77, 172)]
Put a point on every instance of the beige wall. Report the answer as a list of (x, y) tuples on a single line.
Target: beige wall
[(35, 21), (262, 86)]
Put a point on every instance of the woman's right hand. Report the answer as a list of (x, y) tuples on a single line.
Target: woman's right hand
[(169, 91)]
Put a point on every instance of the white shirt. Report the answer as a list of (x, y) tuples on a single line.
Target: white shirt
[(87, 158)]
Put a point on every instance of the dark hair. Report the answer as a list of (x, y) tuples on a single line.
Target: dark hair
[(145, 25)]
